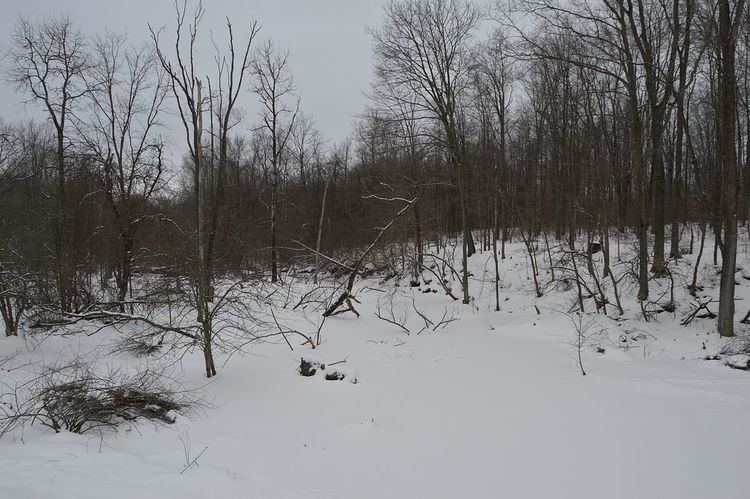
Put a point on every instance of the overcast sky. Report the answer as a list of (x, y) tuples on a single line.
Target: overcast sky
[(330, 49)]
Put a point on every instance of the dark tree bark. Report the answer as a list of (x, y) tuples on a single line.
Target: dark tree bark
[(729, 16)]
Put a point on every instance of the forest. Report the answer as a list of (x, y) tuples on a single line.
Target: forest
[(578, 170)]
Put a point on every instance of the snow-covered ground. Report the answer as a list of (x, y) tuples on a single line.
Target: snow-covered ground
[(491, 405)]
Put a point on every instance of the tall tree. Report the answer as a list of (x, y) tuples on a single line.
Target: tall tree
[(122, 134), (194, 93), (422, 57), (728, 18), (49, 62), (275, 87), (494, 80)]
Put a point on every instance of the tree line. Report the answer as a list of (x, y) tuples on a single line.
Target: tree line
[(532, 119)]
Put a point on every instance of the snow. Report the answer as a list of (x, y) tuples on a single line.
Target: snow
[(492, 405), (738, 361)]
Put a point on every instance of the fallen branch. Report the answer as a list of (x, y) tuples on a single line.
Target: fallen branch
[(324, 256), (694, 314), (73, 318), (194, 461), (347, 294)]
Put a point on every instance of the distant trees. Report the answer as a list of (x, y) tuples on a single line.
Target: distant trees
[(13, 294), (651, 60), (588, 121)]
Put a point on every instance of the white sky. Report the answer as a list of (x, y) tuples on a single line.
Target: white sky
[(330, 50)]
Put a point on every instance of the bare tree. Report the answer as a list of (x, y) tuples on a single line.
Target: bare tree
[(275, 86), (684, 62), (305, 146), (728, 18), (422, 57), (208, 170), (49, 60), (494, 80), (122, 134)]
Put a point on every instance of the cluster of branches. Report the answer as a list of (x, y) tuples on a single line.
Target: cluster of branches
[(81, 397)]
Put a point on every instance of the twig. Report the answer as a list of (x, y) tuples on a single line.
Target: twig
[(194, 461)]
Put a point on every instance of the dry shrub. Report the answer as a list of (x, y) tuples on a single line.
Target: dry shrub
[(138, 346), (78, 398)]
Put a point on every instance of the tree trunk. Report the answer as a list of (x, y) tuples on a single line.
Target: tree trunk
[(126, 265), (320, 232), (726, 140)]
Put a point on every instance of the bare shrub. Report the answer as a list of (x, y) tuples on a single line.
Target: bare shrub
[(583, 325), (78, 397)]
